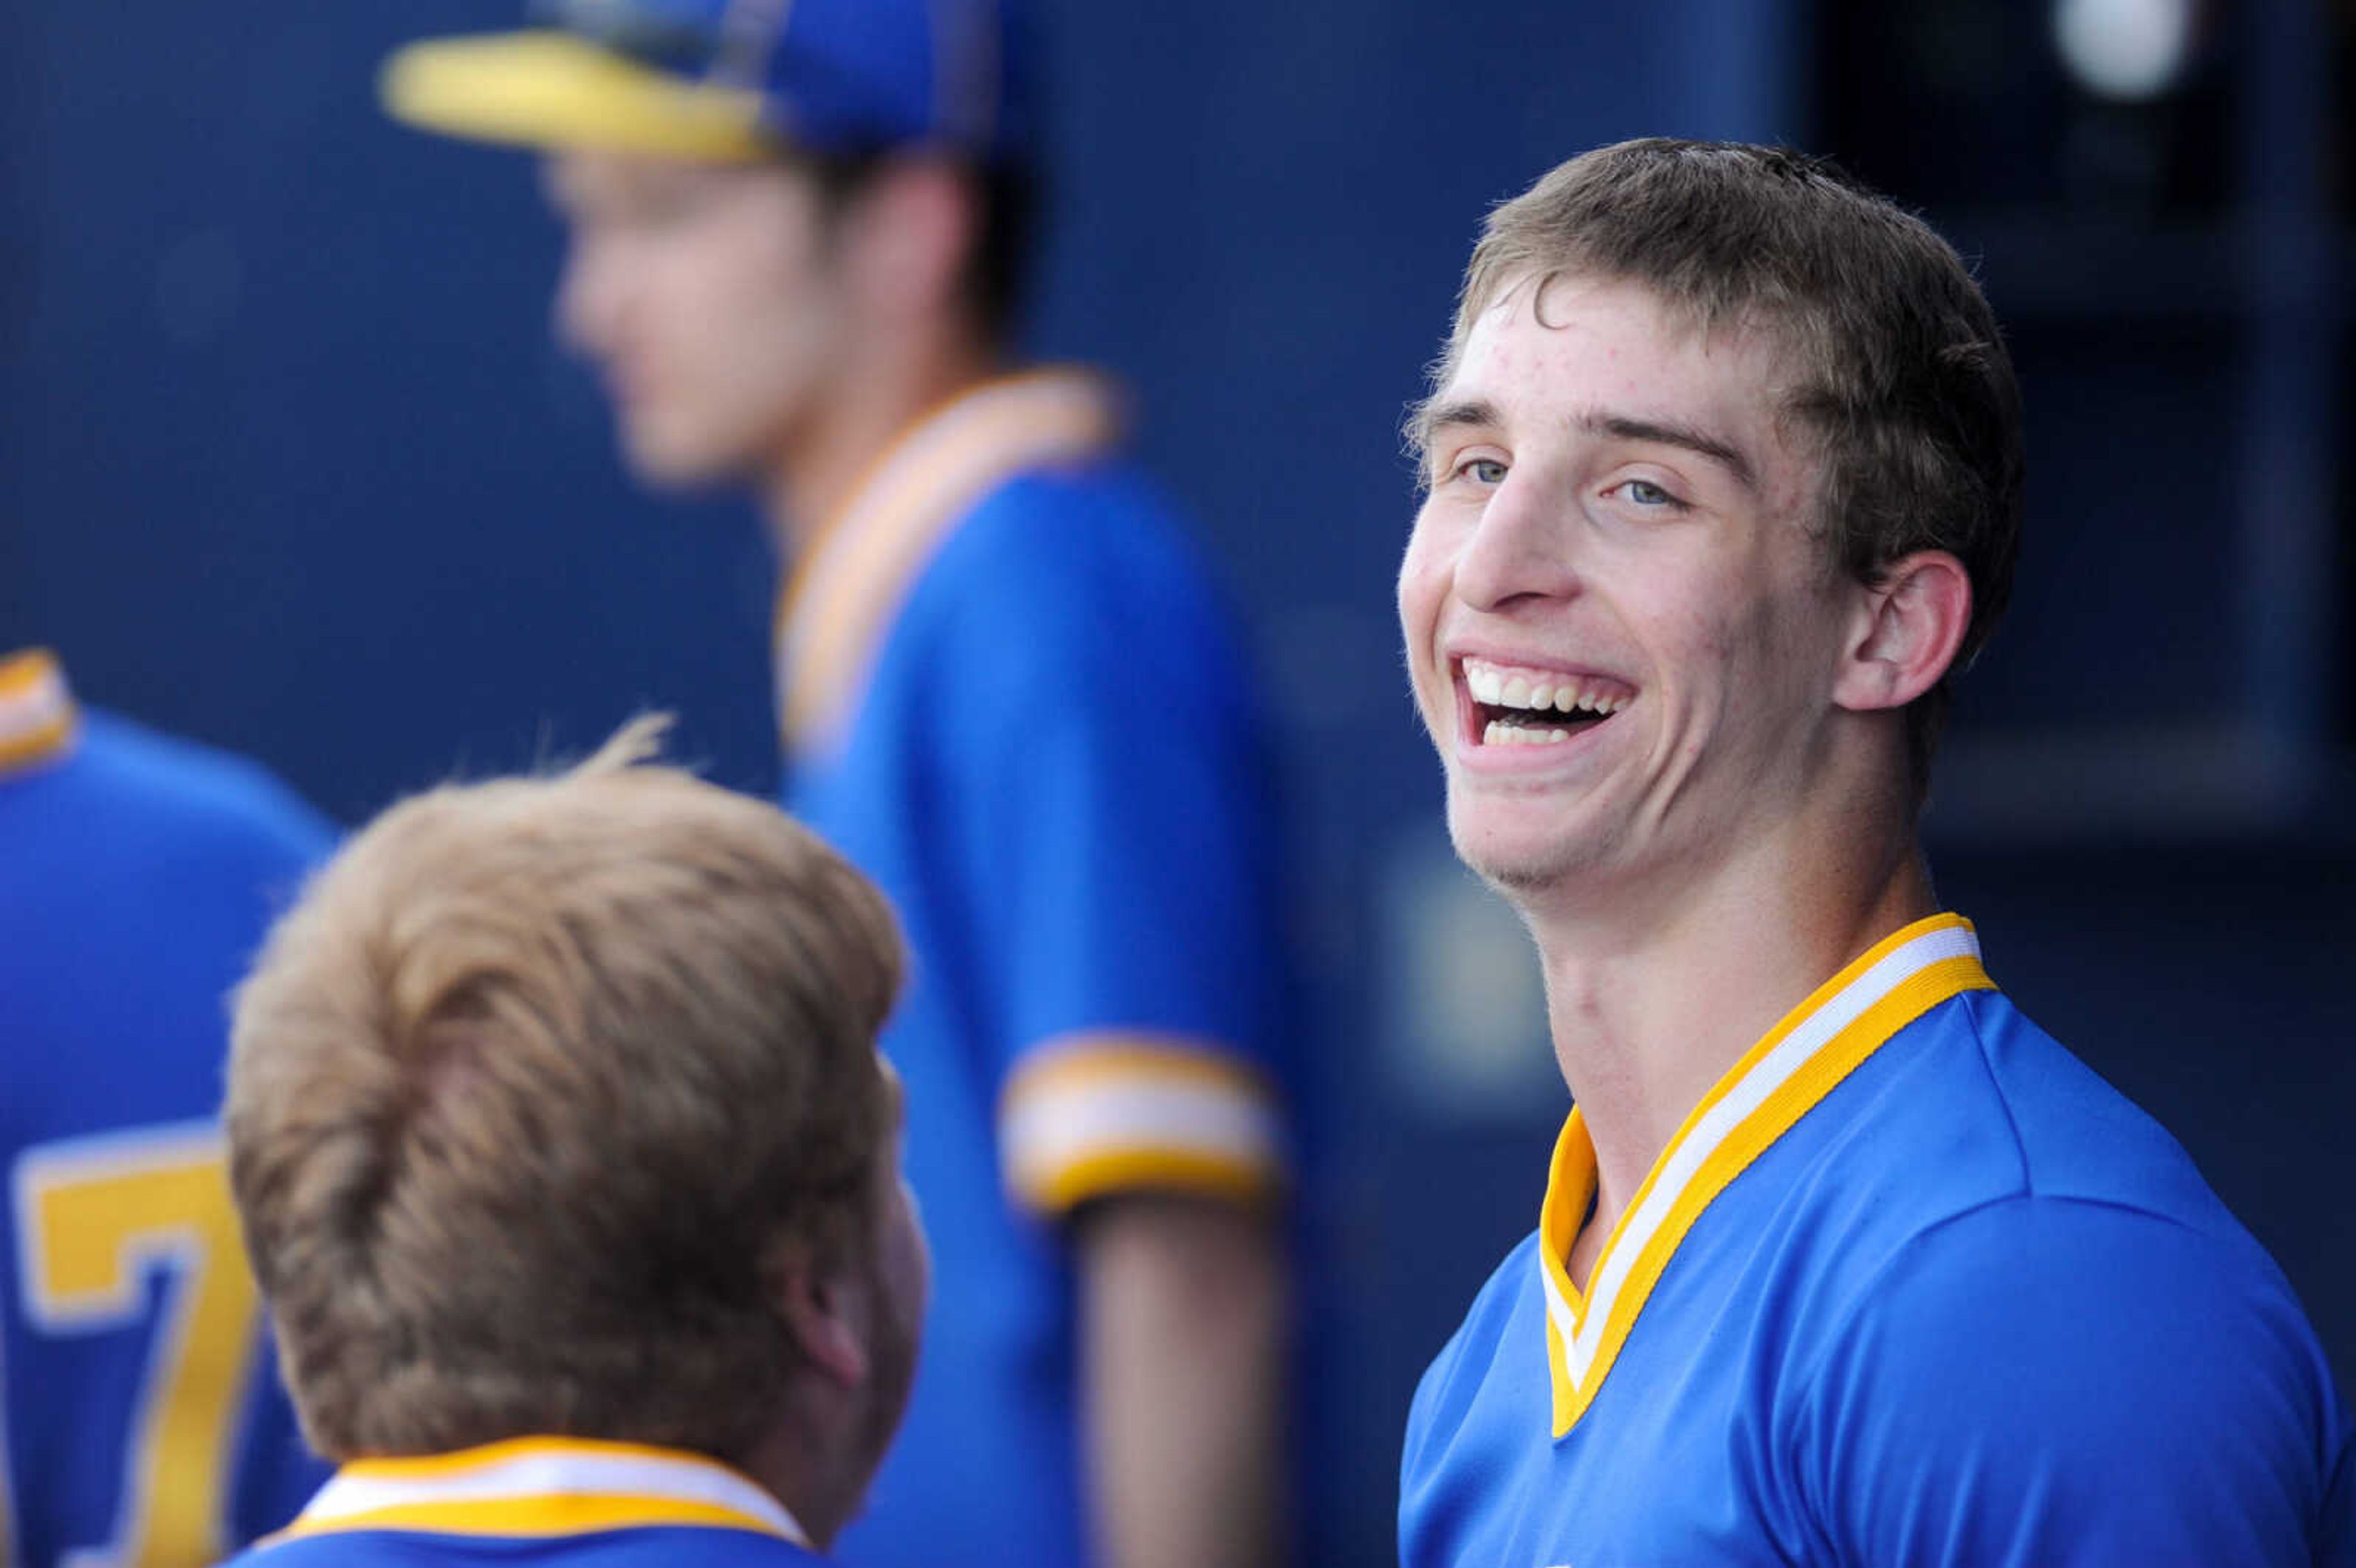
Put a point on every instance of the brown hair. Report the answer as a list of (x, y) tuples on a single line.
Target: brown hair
[(530, 1091), (1901, 377), (1006, 198)]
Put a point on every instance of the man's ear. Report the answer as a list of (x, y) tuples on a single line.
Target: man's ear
[(827, 1311), (1908, 629), (916, 227)]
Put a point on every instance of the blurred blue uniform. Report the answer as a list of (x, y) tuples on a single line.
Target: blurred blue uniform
[(1912, 1285), (562, 1502), (137, 876), (1010, 697)]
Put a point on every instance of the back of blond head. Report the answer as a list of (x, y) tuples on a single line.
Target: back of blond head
[(531, 1092)]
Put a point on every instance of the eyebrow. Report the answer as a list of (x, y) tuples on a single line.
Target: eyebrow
[(1432, 418), (1669, 432)]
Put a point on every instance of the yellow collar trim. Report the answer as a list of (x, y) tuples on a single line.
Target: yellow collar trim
[(1797, 1063), (838, 606), (542, 1486), (38, 718)]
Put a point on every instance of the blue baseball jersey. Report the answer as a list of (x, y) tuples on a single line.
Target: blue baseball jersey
[(539, 1502), (1912, 1285), (137, 876), (1011, 698)]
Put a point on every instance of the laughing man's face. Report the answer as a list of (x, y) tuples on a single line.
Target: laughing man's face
[(1622, 632)]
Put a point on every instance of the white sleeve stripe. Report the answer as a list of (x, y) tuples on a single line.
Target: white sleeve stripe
[(1054, 1127), (40, 706)]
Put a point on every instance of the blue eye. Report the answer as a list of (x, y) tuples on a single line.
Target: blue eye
[(1483, 471), (1645, 493)]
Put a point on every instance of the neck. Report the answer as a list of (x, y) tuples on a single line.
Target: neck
[(894, 384), (821, 1493), (1651, 1000)]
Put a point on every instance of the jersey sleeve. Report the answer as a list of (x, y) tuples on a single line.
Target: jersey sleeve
[(1104, 775), (2053, 1382)]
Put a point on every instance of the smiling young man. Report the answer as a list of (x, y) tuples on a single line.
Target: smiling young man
[(1841, 1259), (1005, 692)]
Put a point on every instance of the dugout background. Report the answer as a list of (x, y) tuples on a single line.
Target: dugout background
[(288, 462)]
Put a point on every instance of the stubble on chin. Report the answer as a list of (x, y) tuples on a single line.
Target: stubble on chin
[(1517, 871)]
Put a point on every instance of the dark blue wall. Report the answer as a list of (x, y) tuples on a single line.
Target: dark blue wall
[(288, 462)]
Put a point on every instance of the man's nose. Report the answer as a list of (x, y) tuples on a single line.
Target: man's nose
[(1521, 548)]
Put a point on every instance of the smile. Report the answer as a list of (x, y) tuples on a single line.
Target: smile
[(1517, 705)]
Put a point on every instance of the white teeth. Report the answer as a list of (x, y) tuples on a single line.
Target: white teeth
[(1493, 686), (1500, 733)]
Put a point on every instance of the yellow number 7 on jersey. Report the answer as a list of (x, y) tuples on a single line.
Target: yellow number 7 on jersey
[(96, 1215)]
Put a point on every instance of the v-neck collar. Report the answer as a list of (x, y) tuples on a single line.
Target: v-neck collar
[(1797, 1063), (837, 608)]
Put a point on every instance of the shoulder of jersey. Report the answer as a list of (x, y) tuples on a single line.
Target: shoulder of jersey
[(167, 776), (1078, 557), (1100, 512)]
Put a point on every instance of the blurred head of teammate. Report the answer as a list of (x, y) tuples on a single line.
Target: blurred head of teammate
[(555, 1110), (791, 226), (1722, 473)]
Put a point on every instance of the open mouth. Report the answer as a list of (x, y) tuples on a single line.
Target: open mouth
[(1514, 706)]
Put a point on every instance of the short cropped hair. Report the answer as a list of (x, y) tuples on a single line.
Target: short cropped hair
[(1901, 380), (532, 1091)]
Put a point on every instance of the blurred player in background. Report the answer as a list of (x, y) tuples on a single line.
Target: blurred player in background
[(137, 875), (1841, 1259), (570, 1169), (796, 236)]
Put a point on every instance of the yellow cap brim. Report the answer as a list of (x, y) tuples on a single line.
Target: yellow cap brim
[(552, 89)]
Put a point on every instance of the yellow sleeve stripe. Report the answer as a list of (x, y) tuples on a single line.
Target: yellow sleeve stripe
[(1149, 1170), (26, 669), (37, 710), (23, 750), (1100, 1114)]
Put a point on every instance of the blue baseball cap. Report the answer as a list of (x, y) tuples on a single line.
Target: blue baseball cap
[(732, 80)]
